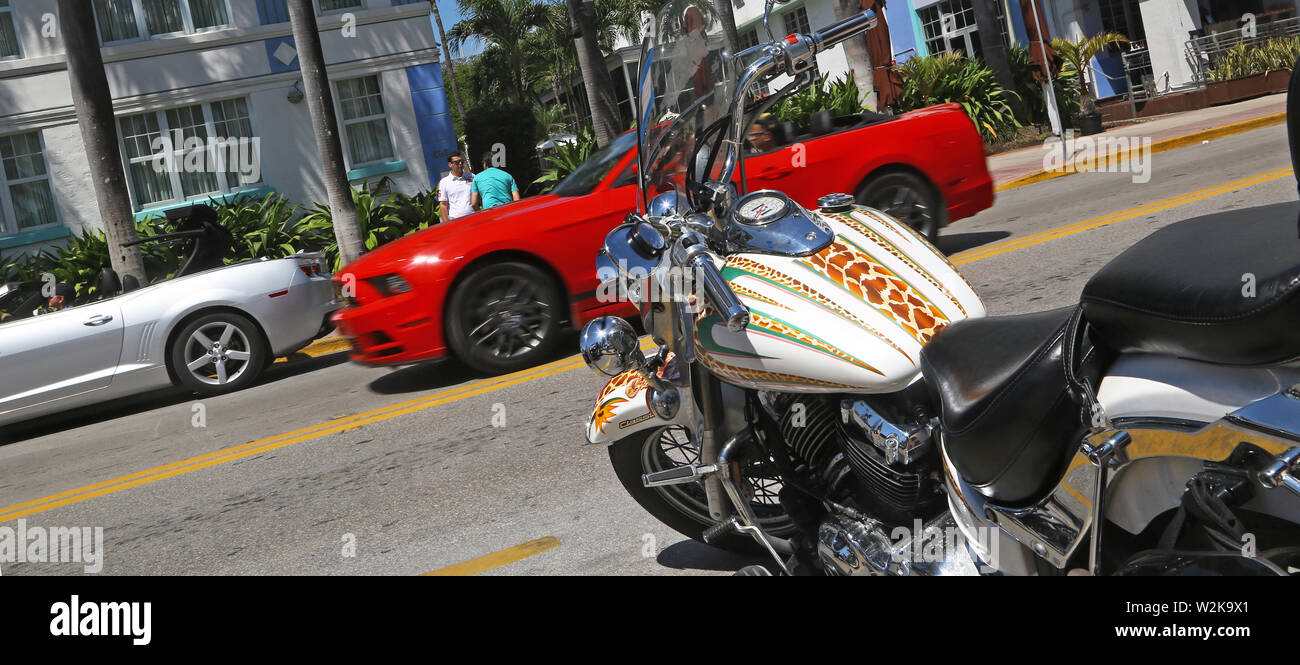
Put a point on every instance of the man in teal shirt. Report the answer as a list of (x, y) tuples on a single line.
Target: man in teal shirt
[(492, 186)]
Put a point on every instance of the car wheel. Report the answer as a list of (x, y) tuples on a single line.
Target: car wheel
[(218, 353), (504, 317), (907, 197)]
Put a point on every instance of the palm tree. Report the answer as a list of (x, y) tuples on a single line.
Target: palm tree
[(320, 103), (446, 51), (1079, 53), (729, 31), (93, 102), (503, 24), (855, 50), (600, 89)]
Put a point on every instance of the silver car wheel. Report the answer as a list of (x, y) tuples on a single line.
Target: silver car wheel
[(217, 353)]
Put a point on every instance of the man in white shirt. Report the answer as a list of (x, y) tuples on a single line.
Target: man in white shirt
[(454, 195)]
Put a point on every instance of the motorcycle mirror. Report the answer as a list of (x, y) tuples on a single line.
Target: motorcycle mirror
[(610, 347)]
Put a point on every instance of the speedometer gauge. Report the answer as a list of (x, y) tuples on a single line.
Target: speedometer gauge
[(761, 208)]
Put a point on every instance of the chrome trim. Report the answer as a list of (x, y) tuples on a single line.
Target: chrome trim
[(1279, 414), (1055, 526), (727, 474), (794, 232), (899, 444)]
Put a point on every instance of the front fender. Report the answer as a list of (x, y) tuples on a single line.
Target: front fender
[(623, 408)]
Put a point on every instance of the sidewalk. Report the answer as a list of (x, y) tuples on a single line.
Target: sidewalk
[(1021, 167)]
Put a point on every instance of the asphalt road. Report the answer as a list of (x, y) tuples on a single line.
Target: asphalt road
[(332, 468)]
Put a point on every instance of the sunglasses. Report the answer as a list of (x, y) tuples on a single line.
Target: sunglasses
[(457, 161)]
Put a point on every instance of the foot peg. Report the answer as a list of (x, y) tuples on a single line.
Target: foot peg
[(678, 475), (721, 530)]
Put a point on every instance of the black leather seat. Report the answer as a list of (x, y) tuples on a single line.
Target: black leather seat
[(1224, 288), (1009, 424), (821, 123)]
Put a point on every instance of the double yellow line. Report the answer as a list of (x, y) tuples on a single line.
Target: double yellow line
[(287, 439), (1096, 222)]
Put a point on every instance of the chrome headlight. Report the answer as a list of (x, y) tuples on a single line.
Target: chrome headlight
[(609, 346)]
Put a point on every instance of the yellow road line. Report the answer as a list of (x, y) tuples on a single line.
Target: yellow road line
[(1159, 146), (288, 438), (498, 559), (1096, 222)]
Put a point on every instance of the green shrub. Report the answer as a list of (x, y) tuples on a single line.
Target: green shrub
[(949, 77), (1065, 84), (565, 159), (514, 126), (840, 97), (383, 217), (1245, 60)]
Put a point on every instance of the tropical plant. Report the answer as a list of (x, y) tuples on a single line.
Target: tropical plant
[(840, 97), (566, 159), (384, 217), (949, 77), (1029, 90), (503, 24), (552, 120), (20, 268), (1245, 60), (1078, 54), (267, 226)]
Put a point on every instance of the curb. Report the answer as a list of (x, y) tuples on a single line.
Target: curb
[(325, 346), (1160, 146)]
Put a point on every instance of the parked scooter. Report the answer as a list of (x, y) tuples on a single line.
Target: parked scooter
[(828, 390)]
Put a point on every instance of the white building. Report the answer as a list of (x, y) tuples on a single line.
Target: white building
[(204, 69)]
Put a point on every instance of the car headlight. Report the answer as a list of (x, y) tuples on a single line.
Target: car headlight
[(390, 284)]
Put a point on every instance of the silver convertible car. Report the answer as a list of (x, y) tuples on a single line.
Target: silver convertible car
[(209, 330)]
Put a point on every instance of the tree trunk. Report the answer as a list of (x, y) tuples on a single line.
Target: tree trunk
[(451, 66), (320, 101), (94, 106), (728, 25), (992, 47), (600, 88), (855, 51)]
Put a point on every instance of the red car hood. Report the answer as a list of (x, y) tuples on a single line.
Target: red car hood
[(436, 242)]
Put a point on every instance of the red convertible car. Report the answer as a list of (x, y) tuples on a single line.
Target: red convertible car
[(495, 288)]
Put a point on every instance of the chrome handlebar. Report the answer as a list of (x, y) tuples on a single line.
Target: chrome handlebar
[(692, 252)]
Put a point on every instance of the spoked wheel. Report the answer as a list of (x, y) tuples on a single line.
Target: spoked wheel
[(685, 507), (504, 317), (907, 197), (218, 353)]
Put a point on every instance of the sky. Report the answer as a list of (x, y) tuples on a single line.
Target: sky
[(450, 15)]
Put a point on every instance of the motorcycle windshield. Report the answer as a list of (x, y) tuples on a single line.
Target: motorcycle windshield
[(683, 89)]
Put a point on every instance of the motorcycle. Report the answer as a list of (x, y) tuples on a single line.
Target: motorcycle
[(827, 389)]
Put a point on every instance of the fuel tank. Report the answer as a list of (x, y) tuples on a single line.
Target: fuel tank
[(851, 317)]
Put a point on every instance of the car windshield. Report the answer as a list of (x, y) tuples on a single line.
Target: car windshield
[(586, 177)]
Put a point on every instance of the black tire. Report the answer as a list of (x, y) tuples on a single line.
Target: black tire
[(684, 507), (234, 365), (504, 317), (907, 197)]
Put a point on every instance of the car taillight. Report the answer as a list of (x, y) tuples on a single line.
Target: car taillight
[(311, 269)]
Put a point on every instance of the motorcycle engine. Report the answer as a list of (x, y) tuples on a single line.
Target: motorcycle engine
[(868, 455)]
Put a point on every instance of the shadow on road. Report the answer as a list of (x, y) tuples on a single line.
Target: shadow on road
[(959, 242), (128, 406), (448, 372), (694, 555)]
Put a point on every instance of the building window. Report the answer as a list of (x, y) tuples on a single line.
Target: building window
[(949, 25), (1116, 17), (26, 201), (364, 122), (125, 20), (189, 152), (327, 6), (748, 39), (8, 36)]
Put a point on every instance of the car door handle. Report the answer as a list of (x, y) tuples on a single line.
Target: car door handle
[(772, 173), (98, 320)]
